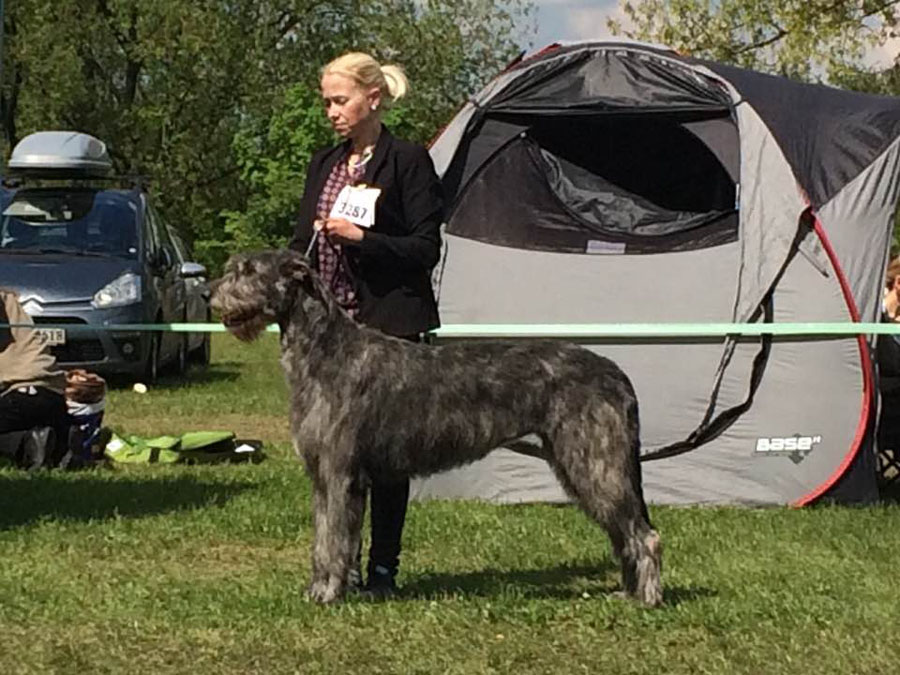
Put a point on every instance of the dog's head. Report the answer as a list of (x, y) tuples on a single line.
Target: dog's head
[(257, 289)]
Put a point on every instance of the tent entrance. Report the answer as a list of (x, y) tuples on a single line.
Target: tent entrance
[(609, 183)]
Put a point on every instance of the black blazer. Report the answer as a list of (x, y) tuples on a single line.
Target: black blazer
[(391, 266)]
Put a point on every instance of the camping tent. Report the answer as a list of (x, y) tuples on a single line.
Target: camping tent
[(609, 182)]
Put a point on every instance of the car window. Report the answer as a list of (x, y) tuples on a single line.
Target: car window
[(152, 231), (178, 245), (69, 220), (161, 234)]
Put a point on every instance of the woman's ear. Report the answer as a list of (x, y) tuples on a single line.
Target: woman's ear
[(374, 98)]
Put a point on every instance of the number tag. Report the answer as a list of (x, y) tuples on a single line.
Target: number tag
[(356, 203)]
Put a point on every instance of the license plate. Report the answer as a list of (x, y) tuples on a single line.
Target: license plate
[(53, 336)]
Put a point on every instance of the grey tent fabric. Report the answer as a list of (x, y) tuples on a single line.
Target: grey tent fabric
[(587, 80), (850, 221), (771, 205), (781, 225), (828, 135)]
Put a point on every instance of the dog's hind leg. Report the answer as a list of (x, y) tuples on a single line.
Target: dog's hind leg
[(600, 470)]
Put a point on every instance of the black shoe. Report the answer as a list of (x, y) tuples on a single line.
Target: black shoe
[(381, 584)]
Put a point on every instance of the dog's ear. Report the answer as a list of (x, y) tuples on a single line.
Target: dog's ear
[(297, 267)]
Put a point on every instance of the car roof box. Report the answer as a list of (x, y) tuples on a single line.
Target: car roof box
[(59, 154)]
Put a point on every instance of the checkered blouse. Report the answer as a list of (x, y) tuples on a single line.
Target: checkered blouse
[(331, 261)]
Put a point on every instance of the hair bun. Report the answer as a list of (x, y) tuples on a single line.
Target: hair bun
[(397, 84)]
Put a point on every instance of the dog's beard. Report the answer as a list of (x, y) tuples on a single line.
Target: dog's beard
[(245, 327)]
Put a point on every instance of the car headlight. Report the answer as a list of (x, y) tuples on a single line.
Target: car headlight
[(123, 290)]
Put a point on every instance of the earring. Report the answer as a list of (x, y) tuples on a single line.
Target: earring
[(374, 107)]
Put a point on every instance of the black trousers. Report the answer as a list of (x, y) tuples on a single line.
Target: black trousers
[(389, 501), (34, 407)]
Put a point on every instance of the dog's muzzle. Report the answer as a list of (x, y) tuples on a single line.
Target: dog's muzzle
[(245, 326)]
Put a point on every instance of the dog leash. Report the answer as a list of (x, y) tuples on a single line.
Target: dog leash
[(312, 242), (340, 257)]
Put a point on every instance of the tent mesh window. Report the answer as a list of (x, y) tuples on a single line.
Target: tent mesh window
[(620, 184)]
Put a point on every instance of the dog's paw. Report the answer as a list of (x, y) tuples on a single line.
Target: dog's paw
[(324, 592), (651, 595)]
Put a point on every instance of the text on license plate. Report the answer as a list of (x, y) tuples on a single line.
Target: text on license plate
[(53, 336)]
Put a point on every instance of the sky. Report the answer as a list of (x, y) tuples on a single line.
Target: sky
[(586, 19), (573, 20)]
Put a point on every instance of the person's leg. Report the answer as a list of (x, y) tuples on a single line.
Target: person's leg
[(389, 502), (11, 434), (11, 412), (31, 408)]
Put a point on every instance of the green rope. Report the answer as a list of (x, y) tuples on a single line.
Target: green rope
[(578, 330)]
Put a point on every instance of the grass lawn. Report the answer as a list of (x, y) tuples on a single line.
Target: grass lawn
[(178, 569)]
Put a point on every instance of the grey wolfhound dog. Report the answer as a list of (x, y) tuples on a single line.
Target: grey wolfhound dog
[(367, 405)]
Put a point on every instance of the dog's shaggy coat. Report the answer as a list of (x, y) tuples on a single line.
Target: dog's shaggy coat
[(364, 405)]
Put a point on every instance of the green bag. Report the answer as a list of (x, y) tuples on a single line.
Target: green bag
[(193, 447)]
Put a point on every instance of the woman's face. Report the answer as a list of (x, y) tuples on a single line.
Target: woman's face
[(347, 105)]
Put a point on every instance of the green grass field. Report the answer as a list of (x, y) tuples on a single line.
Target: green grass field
[(201, 569)]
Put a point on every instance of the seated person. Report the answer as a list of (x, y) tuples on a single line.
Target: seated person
[(33, 416), (888, 346), (887, 352)]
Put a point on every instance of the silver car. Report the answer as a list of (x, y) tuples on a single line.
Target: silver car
[(196, 299), (81, 254)]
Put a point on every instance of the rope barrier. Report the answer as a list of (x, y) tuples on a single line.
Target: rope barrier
[(585, 330)]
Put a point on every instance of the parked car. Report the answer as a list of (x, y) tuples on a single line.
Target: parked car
[(196, 298), (81, 253)]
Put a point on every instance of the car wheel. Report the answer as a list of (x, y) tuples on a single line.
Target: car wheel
[(151, 365)]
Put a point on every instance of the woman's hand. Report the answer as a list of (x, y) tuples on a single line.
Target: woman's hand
[(341, 231)]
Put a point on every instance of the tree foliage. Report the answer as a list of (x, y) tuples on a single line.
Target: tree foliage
[(448, 48), (804, 39), (215, 100)]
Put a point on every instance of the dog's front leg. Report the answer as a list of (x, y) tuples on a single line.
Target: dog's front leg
[(357, 514), (336, 539), (320, 531)]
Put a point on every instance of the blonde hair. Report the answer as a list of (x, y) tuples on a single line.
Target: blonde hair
[(367, 72)]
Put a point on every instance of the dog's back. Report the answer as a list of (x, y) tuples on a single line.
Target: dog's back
[(459, 401)]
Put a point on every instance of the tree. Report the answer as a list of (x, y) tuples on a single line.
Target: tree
[(200, 95), (164, 84), (449, 48), (804, 39)]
